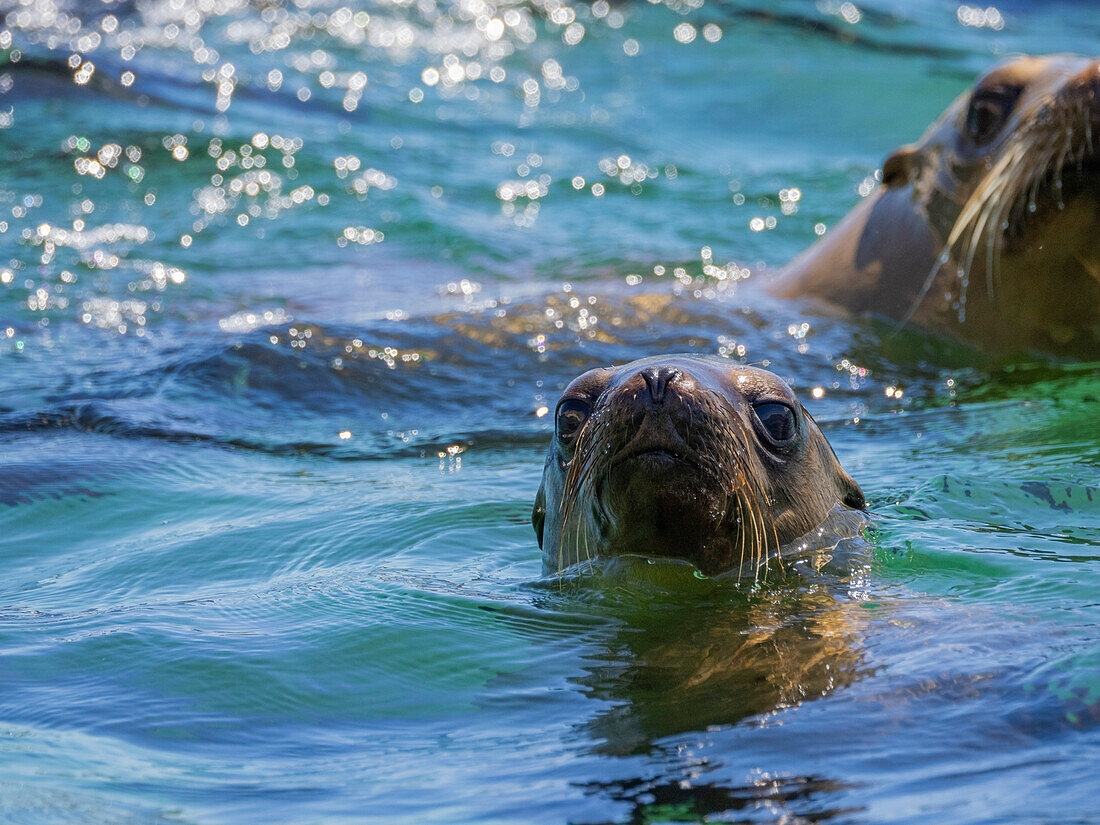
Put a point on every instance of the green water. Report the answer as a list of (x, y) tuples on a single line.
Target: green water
[(269, 444)]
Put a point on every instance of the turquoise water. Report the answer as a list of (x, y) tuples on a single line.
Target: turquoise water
[(269, 430)]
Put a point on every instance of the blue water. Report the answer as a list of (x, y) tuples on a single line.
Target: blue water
[(269, 431)]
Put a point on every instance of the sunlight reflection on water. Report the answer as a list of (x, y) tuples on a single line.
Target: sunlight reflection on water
[(287, 293)]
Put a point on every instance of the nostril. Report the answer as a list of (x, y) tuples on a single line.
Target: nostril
[(657, 380)]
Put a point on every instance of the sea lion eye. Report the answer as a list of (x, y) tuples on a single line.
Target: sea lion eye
[(777, 420), (987, 113), (572, 413)]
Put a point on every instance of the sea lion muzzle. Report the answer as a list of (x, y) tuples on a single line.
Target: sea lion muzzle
[(687, 457)]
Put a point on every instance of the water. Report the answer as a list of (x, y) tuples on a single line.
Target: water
[(270, 441)]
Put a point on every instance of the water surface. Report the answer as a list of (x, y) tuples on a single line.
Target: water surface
[(283, 288)]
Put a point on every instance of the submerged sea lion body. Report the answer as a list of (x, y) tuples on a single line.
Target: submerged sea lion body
[(988, 228), (688, 457)]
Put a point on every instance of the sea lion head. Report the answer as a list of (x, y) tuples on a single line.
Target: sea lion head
[(690, 457), (1009, 180), (988, 227)]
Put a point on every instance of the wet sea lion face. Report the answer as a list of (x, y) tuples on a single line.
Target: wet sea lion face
[(688, 457), (987, 228), (1009, 181)]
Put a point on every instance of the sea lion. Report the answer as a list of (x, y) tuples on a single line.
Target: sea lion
[(690, 457), (988, 228)]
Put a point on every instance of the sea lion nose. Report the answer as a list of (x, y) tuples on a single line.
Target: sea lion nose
[(657, 380)]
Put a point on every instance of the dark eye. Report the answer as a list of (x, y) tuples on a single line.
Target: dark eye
[(777, 420), (572, 413), (988, 112)]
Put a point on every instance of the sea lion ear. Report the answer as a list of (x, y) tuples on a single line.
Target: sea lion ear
[(538, 513), (850, 493), (898, 169)]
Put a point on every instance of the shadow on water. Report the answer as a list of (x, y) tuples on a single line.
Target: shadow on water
[(692, 657), (690, 667)]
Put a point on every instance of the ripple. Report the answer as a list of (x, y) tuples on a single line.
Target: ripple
[(282, 290)]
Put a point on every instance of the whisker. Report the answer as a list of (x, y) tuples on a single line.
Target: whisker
[(998, 193), (574, 481), (754, 559), (760, 499)]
